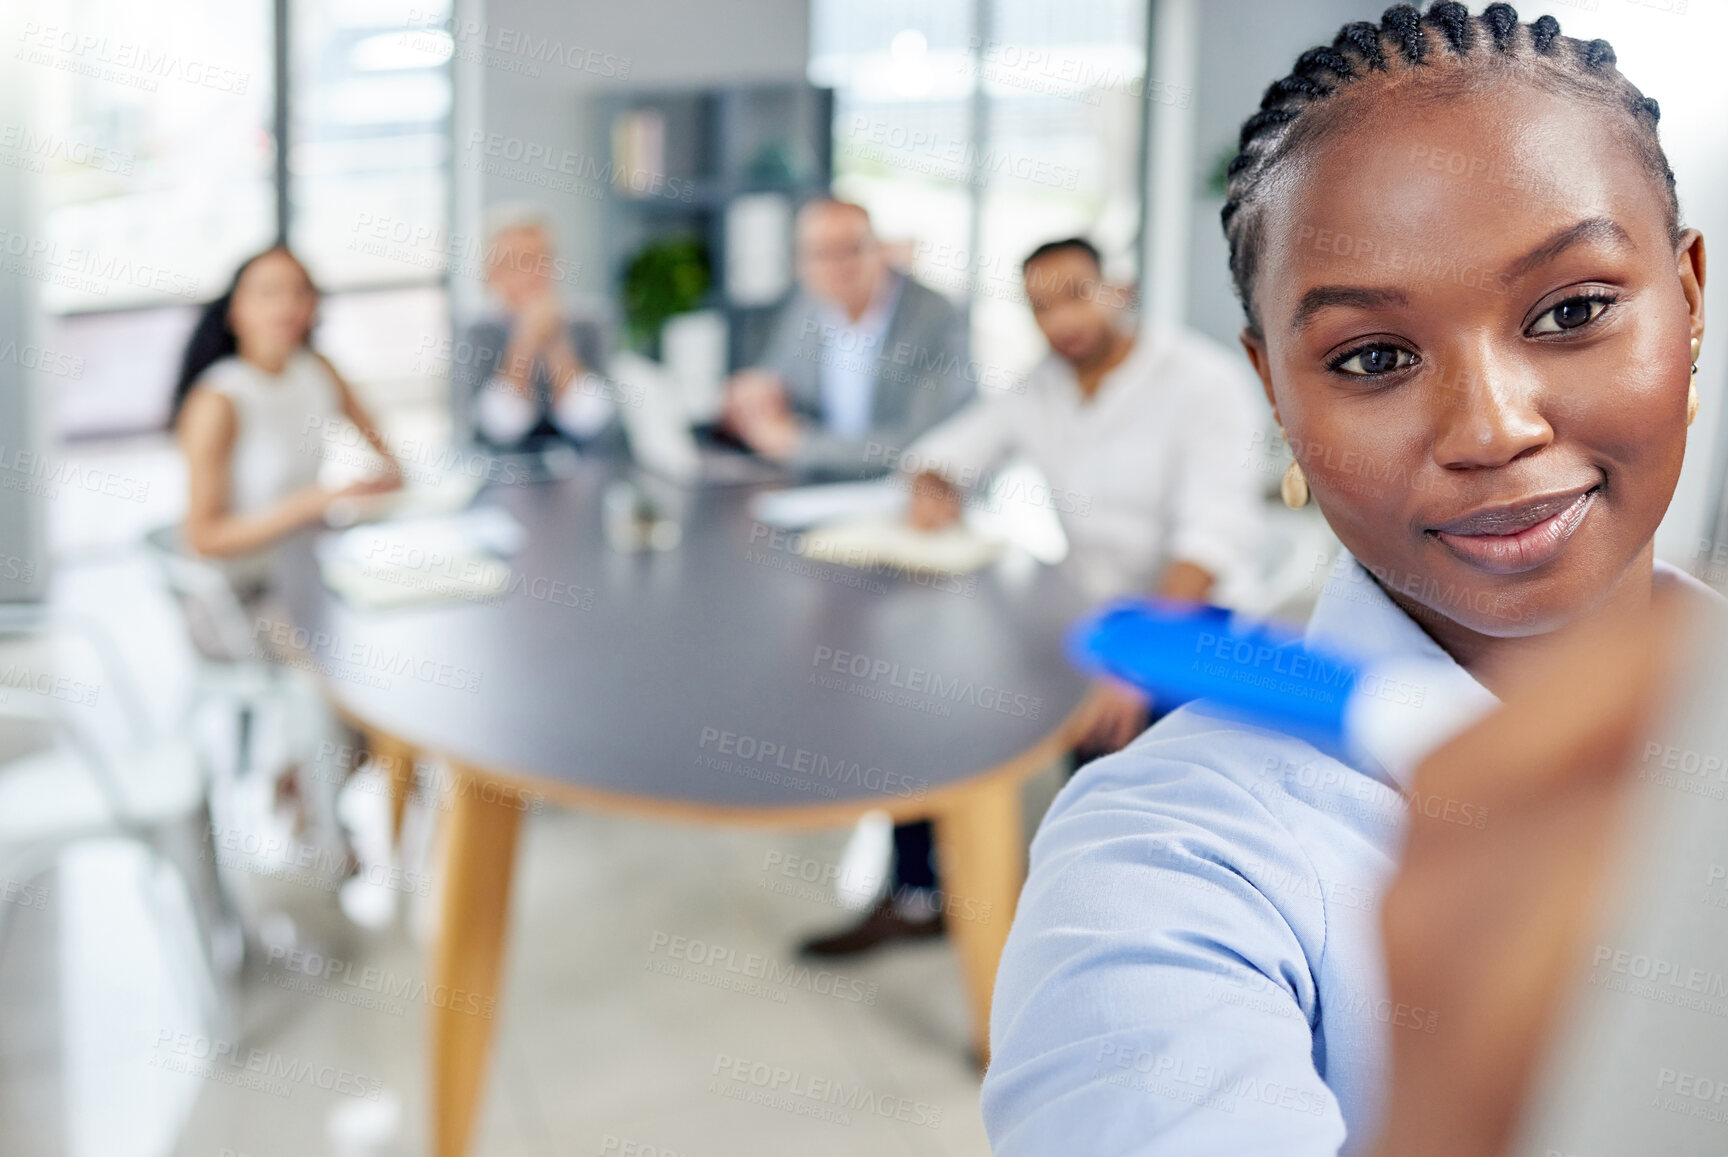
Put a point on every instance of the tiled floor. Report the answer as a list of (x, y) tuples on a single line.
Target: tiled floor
[(595, 1048), (598, 1050), (594, 1044)]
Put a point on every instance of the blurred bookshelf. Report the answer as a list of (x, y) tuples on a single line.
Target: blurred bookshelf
[(726, 168)]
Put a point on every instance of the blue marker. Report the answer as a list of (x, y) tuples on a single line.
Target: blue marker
[(1264, 675)]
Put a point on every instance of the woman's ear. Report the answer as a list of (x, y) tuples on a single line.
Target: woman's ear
[(1691, 269), (1255, 347)]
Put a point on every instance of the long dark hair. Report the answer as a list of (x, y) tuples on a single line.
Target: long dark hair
[(213, 338)]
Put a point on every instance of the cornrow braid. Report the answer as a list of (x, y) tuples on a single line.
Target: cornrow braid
[(1544, 32), (1501, 20), (1364, 38), (1330, 59), (1403, 24), (1293, 114), (1293, 85), (1453, 21)]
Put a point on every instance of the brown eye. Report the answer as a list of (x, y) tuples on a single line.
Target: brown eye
[(1374, 360), (1571, 314)]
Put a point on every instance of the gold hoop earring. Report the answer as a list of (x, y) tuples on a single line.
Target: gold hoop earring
[(1692, 387), (1295, 484)]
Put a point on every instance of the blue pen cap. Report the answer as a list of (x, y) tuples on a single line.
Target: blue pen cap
[(1244, 669)]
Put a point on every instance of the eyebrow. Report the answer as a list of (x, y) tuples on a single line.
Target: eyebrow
[(1361, 297), (1601, 229)]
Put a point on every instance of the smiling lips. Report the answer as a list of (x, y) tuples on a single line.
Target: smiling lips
[(1518, 537)]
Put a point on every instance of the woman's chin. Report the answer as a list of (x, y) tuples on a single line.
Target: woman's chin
[(1509, 606)]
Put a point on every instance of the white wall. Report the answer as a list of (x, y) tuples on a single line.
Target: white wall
[(1244, 45), (641, 44), (23, 428)]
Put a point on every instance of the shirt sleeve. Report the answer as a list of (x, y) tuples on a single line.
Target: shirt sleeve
[(790, 337), (502, 414), (1155, 996), (968, 445), (584, 409), (1216, 503)]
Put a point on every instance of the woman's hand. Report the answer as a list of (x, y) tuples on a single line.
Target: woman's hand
[(346, 505), (379, 484), (1483, 926), (1119, 713), (933, 504), (389, 472)]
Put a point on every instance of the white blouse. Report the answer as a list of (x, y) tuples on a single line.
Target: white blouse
[(283, 425)]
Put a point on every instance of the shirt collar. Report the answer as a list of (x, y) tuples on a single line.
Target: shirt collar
[(1356, 618), (876, 315), (1133, 368), (1355, 615)]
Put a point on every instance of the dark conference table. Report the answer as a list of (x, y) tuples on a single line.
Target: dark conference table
[(726, 680)]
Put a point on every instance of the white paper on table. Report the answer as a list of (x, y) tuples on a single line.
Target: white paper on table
[(439, 558), (446, 494), (803, 506), (875, 541), (383, 586)]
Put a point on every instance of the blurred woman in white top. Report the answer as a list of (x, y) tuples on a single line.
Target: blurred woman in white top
[(254, 408)]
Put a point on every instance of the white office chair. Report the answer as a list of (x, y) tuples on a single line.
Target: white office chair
[(146, 785), (239, 676), (245, 680)]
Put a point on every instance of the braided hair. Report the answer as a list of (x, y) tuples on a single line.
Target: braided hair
[(1446, 51)]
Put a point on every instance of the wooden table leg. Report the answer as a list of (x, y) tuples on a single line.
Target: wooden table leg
[(981, 845), (395, 759), (479, 848)]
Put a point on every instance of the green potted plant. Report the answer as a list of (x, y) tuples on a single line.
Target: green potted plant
[(667, 276)]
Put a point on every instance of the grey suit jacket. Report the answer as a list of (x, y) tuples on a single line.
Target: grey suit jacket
[(922, 376), (477, 357)]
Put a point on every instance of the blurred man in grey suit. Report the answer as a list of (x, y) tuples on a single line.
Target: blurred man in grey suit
[(862, 358)]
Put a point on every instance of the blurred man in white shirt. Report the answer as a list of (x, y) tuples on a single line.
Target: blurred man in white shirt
[(1143, 439)]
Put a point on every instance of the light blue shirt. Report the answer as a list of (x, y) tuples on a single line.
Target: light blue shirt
[(1195, 965), (851, 360)]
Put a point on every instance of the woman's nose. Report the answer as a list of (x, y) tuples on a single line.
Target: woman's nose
[(1486, 414)]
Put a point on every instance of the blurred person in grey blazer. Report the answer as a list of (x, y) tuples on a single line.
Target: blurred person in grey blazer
[(862, 360), (533, 368)]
